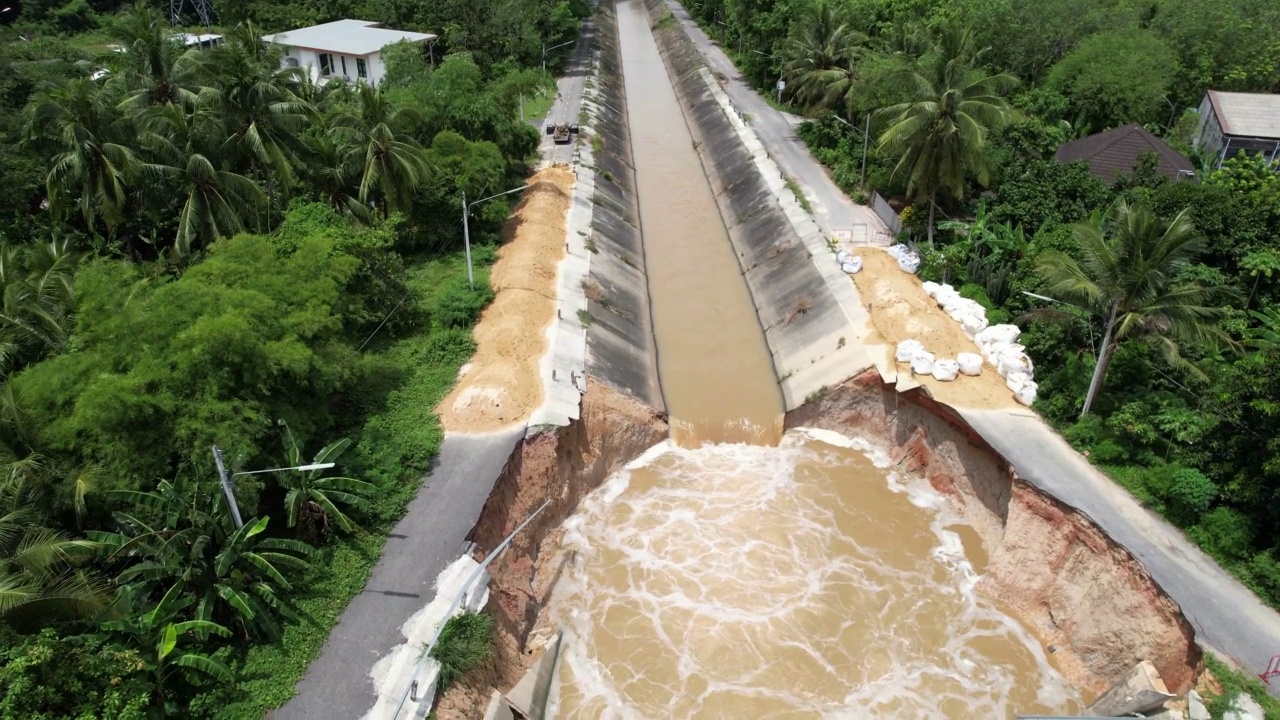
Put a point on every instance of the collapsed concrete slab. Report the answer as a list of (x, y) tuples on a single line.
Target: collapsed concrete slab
[(1139, 691)]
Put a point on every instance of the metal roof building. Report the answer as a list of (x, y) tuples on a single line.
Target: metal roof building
[(1232, 123)]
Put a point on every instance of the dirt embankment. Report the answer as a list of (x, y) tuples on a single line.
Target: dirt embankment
[(1076, 588), (901, 310), (501, 385), (562, 466)]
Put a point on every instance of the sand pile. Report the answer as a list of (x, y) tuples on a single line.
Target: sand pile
[(900, 310), (501, 386)]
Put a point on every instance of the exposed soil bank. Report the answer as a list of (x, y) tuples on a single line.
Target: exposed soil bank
[(1048, 564), (501, 386), (563, 466)]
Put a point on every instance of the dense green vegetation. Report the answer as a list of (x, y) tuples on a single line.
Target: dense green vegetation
[(200, 248), (1168, 289)]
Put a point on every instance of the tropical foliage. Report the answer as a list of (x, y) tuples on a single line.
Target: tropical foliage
[(198, 247)]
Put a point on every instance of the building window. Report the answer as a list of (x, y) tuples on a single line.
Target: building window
[(343, 58), (361, 70), (326, 64)]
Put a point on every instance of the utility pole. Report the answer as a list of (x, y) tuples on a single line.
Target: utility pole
[(226, 487), (466, 233), (866, 136)]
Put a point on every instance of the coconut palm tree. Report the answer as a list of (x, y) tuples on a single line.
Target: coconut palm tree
[(940, 133), (315, 498), (40, 574), (334, 171), (183, 140), (822, 54), (78, 123), (392, 165), (1127, 276), (37, 300), (256, 98), (154, 67)]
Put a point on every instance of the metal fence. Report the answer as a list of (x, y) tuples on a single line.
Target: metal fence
[(881, 208)]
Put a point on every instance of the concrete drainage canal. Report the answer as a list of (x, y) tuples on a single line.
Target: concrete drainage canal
[(873, 560)]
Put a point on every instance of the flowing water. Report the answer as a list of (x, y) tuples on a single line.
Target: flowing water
[(741, 573)]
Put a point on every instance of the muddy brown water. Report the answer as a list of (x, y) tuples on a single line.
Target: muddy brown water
[(735, 572), (717, 377)]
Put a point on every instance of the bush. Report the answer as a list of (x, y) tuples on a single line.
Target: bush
[(1189, 494), (464, 643), (1224, 533), (78, 676), (458, 306)]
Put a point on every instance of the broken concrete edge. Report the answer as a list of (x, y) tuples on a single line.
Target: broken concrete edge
[(1140, 691), (813, 321), (532, 694), (397, 672), (621, 349)]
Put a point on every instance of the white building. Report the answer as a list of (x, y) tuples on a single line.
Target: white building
[(350, 49)]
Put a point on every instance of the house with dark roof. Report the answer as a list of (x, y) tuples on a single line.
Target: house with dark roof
[(1115, 153), (1232, 123)]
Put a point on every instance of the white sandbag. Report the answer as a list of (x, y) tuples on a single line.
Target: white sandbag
[(922, 363), (992, 351), (852, 265), (1014, 361), (982, 337), (907, 349), (1004, 333), (947, 299), (1027, 394), (895, 251), (909, 262), (930, 287), (969, 363), (945, 369), (1015, 380), (973, 323), (843, 256)]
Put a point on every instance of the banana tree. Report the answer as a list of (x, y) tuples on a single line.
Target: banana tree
[(232, 574), (156, 634), (314, 498)]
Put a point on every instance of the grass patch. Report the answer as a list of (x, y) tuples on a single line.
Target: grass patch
[(465, 642), (538, 106), (794, 187), (664, 22), (394, 448), (597, 145), (1234, 683), (586, 318)]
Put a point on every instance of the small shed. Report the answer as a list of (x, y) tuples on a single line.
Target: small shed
[(1115, 153), (1232, 123)]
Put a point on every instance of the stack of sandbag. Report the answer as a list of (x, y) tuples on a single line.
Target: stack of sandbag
[(969, 313), (907, 258), (849, 263), (945, 369)]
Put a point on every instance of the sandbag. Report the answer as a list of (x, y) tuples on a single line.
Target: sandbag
[(842, 256), (909, 262), (922, 363), (973, 323), (1004, 333), (969, 363), (983, 337), (852, 265), (945, 369), (1014, 361), (930, 287), (907, 349), (992, 351), (1015, 380), (895, 251), (1027, 394)]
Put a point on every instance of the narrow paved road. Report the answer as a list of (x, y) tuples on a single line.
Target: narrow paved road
[(419, 547), (1228, 618), (832, 209), (568, 102)]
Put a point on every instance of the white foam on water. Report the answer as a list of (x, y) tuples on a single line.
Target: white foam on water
[(726, 574)]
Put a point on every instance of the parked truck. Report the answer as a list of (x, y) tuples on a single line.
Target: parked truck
[(561, 133)]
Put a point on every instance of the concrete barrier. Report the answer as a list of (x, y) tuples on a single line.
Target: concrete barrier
[(621, 349), (812, 316)]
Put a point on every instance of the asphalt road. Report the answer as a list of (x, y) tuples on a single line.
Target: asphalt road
[(831, 208), (568, 102), (1228, 618), (424, 542)]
